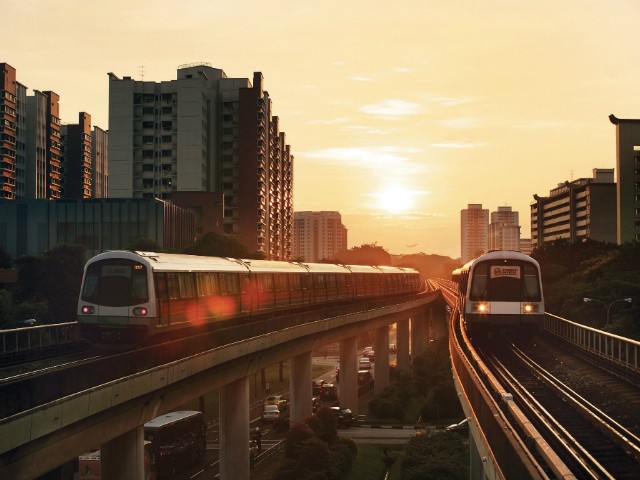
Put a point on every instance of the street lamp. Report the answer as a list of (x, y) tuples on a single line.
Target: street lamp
[(608, 307)]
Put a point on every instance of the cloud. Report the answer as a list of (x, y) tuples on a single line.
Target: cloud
[(367, 129), (458, 144), (444, 101), (330, 121), (392, 108), (538, 124), (360, 78), (461, 122), (369, 157)]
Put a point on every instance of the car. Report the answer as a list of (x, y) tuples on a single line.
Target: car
[(366, 351), (329, 392), (277, 400), (364, 376), (270, 413), (462, 426), (316, 386), (392, 348), (364, 364), (315, 404), (29, 322), (344, 417)]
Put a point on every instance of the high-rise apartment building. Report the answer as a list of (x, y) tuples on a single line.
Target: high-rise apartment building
[(577, 210), (204, 132), (474, 229), (77, 158), (44, 148), (8, 131), (318, 235), (504, 230), (628, 184), (99, 163)]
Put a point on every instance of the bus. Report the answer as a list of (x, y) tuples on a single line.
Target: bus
[(176, 441)]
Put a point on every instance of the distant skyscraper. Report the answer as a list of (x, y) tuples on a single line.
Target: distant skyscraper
[(504, 230), (318, 235), (574, 211), (628, 184), (474, 228), (205, 132)]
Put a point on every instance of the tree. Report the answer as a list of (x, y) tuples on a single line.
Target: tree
[(144, 244), (368, 254), (5, 259), (6, 304), (219, 245), (442, 456)]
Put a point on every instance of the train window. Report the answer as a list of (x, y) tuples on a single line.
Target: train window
[(185, 282), (266, 282), (318, 280), (295, 281), (160, 280), (531, 285), (173, 286), (281, 282), (331, 281), (304, 281), (139, 292), (231, 284), (201, 285), (479, 283), (214, 284)]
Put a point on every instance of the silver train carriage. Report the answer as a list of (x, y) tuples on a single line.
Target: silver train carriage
[(500, 288), (129, 297)]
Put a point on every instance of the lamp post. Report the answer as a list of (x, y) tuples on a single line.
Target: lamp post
[(608, 307)]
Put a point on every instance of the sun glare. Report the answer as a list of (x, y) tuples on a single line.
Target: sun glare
[(396, 200)]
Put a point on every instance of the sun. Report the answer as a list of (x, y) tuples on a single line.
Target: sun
[(396, 200)]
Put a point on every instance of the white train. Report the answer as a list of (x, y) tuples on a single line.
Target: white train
[(129, 297), (500, 288)]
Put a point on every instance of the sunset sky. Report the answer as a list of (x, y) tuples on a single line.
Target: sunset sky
[(399, 114)]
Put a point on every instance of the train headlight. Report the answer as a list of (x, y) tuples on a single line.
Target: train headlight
[(530, 308), (481, 307), (88, 310), (140, 311)]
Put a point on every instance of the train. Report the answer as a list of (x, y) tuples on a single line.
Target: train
[(500, 288), (131, 297)]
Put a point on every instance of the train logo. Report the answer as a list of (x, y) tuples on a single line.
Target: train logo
[(512, 271)]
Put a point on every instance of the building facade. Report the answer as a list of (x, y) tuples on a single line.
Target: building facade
[(504, 230), (577, 210), (204, 132), (474, 229), (32, 226), (628, 184), (318, 236), (8, 133), (77, 158), (99, 163)]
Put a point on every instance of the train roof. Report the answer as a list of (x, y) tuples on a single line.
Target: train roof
[(497, 254), (171, 417)]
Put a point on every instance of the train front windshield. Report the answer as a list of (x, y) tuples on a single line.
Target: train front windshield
[(505, 282), (116, 283)]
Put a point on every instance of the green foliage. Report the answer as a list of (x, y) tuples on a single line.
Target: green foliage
[(5, 259), (442, 403), (297, 435), (329, 424), (219, 245), (6, 306), (389, 404), (367, 254), (54, 279), (571, 272), (144, 244), (441, 456), (314, 455)]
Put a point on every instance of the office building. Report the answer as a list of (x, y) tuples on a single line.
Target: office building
[(628, 182), (504, 230), (205, 132), (525, 246), (318, 236), (474, 229), (577, 210), (32, 226)]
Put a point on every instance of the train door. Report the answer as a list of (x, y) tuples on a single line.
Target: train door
[(162, 299)]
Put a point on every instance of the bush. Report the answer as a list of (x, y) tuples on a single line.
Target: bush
[(296, 437), (314, 455)]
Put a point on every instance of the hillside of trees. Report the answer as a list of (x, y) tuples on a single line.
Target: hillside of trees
[(604, 272)]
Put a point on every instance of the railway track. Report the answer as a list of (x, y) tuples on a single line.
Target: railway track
[(592, 444)]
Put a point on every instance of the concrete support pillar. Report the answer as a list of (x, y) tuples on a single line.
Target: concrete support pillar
[(300, 387), (349, 374), (234, 430), (441, 322), (402, 345), (381, 359), (123, 457), (418, 334)]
